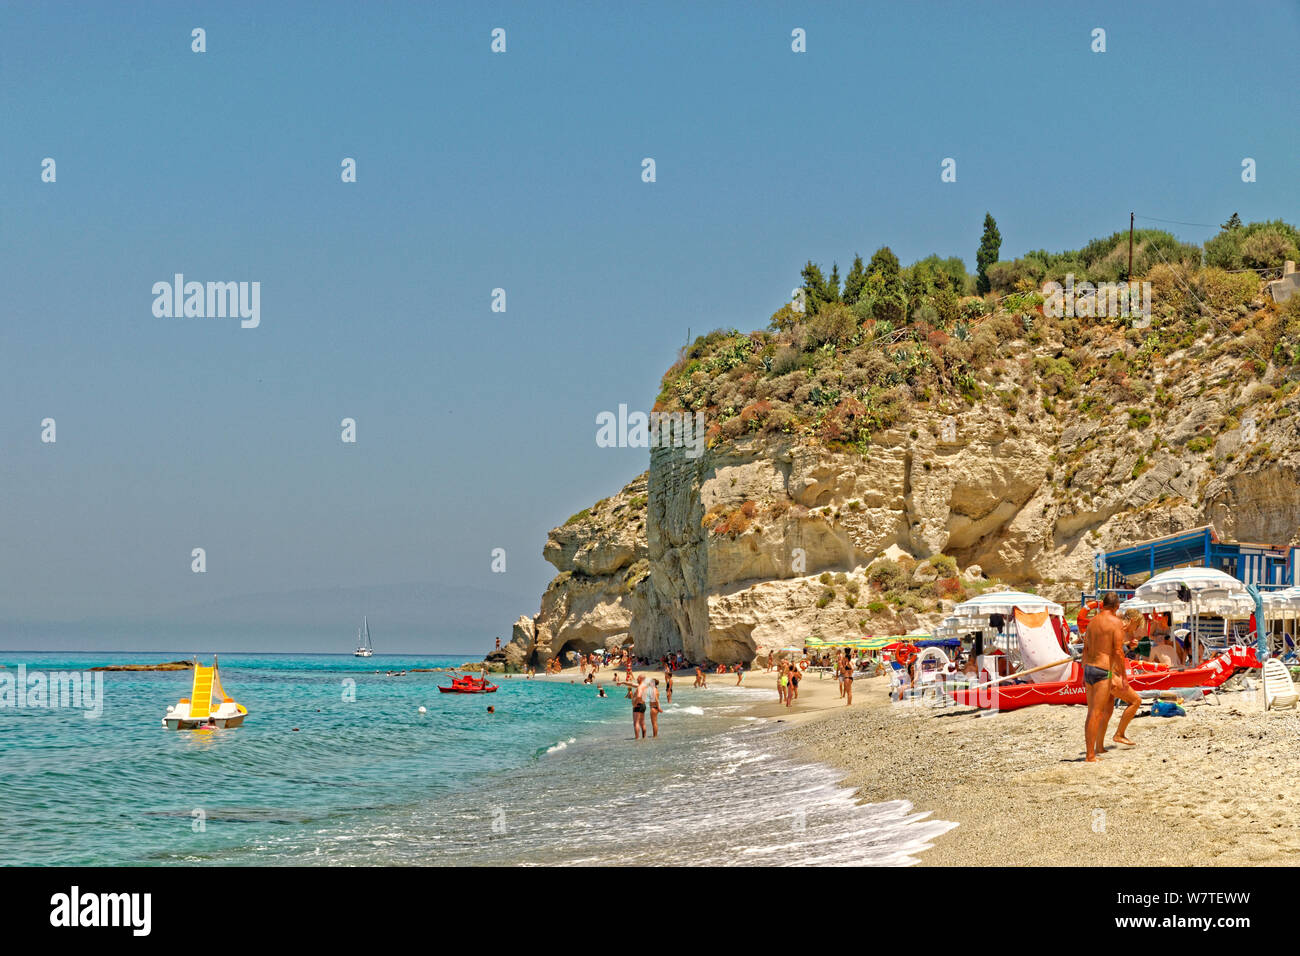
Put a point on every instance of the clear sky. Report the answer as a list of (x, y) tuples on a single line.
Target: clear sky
[(476, 429)]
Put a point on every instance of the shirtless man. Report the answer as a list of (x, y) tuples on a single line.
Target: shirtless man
[(1103, 656), (1120, 687), (638, 707)]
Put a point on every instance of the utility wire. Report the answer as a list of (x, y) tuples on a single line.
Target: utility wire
[(1179, 222)]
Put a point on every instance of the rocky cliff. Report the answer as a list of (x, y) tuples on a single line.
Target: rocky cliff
[(1068, 439)]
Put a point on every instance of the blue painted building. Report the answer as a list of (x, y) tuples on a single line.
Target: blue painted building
[(1272, 567)]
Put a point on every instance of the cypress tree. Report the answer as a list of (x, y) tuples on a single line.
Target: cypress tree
[(855, 281), (987, 254)]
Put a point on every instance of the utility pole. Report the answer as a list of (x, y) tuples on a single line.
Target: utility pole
[(1130, 247)]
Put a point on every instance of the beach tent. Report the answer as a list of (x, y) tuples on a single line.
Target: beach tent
[(877, 643)]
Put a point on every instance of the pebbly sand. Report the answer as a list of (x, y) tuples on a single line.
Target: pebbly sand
[(1220, 786)]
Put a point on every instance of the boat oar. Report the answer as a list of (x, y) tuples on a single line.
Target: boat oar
[(1032, 670)]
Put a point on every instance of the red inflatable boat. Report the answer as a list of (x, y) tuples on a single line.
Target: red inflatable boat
[(1143, 676), (469, 685)]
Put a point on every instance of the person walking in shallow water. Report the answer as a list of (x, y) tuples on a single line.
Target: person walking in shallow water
[(655, 709), (668, 683), (638, 707)]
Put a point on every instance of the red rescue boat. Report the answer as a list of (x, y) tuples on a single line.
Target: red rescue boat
[(1149, 677), (469, 685)]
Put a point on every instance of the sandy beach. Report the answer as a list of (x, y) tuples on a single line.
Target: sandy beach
[(1220, 786), (817, 695)]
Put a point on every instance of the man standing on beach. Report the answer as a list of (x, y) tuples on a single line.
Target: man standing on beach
[(1120, 687), (1103, 656), (638, 706)]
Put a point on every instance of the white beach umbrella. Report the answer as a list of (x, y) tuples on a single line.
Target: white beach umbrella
[(1283, 604), (1143, 607), (1231, 606), (1002, 602), (1166, 584), (1211, 592)]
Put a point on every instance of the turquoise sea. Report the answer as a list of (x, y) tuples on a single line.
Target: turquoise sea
[(553, 777)]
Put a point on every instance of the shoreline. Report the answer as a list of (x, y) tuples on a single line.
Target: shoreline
[(1016, 783), (1189, 793)]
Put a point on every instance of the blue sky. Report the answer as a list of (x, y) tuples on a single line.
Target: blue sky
[(476, 429)]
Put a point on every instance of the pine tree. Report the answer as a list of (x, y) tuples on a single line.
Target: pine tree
[(885, 263), (833, 284), (1231, 224), (884, 289), (987, 254), (855, 281), (814, 287)]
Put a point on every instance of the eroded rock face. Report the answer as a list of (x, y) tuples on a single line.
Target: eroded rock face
[(720, 556)]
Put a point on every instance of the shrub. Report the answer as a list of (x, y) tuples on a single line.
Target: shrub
[(1223, 290), (951, 588), (1238, 248), (827, 596), (945, 564), (785, 361), (885, 575), (834, 325)]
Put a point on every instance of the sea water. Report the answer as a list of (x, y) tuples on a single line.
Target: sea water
[(335, 765)]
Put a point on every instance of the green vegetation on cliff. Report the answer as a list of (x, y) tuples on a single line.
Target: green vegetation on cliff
[(862, 355)]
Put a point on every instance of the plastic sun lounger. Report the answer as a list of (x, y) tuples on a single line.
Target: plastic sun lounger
[(1279, 689)]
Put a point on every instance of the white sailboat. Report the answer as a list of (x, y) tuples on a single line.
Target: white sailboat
[(364, 647)]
